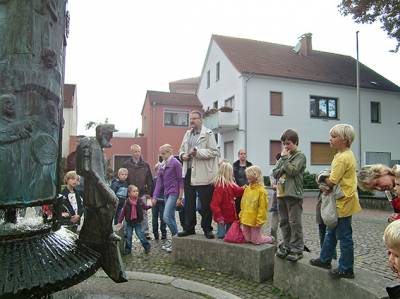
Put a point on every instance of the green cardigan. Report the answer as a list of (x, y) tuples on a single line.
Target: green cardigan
[(293, 167)]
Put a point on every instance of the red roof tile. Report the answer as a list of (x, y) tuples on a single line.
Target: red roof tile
[(263, 58)]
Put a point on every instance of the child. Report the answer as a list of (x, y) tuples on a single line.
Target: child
[(274, 205), (223, 200), (395, 202), (132, 212), (169, 185), (343, 173), (289, 170), (253, 207), (120, 188), (72, 204), (157, 211), (391, 237)]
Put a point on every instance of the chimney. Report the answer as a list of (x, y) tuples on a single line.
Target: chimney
[(306, 44)]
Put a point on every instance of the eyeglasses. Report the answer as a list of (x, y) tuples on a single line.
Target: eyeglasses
[(194, 118)]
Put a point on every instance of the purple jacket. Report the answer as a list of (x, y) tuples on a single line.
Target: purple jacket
[(169, 178)]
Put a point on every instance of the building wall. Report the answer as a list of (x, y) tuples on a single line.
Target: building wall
[(70, 116), (162, 134), (120, 147), (262, 127), (230, 84)]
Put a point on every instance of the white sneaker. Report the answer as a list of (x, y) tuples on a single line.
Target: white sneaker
[(167, 248)]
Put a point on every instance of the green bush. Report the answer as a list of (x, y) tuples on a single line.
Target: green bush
[(309, 180)]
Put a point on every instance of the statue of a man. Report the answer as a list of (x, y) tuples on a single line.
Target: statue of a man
[(100, 201)]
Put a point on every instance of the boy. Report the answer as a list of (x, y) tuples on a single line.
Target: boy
[(72, 203), (288, 172), (391, 237), (120, 188), (343, 172)]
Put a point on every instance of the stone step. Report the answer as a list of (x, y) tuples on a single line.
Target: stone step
[(305, 281), (253, 262)]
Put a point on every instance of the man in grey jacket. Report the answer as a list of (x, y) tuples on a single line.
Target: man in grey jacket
[(199, 154)]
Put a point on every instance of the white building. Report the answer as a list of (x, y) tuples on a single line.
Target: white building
[(273, 87), (70, 114)]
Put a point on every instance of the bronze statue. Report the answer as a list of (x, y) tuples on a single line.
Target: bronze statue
[(100, 201)]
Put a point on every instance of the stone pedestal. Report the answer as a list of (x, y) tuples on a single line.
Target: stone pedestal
[(302, 280), (253, 262)]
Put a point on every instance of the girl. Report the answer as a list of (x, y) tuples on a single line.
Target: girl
[(132, 212), (254, 205), (223, 199)]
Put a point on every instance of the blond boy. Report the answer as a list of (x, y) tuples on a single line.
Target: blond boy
[(343, 173)]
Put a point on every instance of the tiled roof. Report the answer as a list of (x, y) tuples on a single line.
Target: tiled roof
[(169, 98), (69, 92), (194, 80), (263, 58)]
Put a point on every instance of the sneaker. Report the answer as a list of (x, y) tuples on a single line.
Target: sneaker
[(319, 263), (163, 237), (335, 273), (294, 256), (147, 251), (167, 248), (281, 252), (148, 237)]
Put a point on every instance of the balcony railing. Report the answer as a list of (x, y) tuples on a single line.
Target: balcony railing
[(222, 121)]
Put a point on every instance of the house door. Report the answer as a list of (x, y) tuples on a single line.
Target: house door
[(228, 151)]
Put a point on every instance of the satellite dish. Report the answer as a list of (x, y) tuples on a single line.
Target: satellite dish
[(296, 48)]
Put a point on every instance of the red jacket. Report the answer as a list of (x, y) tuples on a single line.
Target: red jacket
[(223, 202)]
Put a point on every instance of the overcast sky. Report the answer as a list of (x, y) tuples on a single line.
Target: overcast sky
[(117, 50)]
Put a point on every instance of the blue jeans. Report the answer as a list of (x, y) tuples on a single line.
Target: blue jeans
[(343, 233), (169, 213), (222, 229), (139, 233), (157, 212)]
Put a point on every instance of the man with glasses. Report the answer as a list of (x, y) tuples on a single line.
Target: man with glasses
[(199, 154)]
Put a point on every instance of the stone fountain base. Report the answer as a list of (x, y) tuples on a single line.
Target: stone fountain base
[(45, 263)]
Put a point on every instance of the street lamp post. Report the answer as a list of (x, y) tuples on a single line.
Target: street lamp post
[(358, 102)]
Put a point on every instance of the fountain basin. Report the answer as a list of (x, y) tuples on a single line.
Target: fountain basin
[(44, 263)]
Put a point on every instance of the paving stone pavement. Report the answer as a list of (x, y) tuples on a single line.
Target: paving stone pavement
[(369, 251)]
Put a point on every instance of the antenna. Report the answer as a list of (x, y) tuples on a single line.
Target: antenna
[(296, 48)]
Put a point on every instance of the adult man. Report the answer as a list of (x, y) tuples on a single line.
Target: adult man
[(139, 174), (239, 173), (199, 154), (100, 201)]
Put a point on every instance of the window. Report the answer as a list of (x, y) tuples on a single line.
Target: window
[(217, 74), (321, 153), (215, 105), (275, 103), (119, 160), (208, 79), (275, 147), (375, 112), (230, 102), (323, 107), (176, 118)]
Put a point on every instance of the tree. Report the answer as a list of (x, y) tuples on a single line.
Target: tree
[(94, 124), (368, 11)]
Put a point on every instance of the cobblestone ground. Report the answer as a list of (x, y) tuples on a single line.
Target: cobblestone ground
[(369, 251)]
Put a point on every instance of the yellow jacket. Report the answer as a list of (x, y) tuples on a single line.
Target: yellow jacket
[(343, 173), (254, 205)]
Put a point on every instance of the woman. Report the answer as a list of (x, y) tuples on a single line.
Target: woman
[(378, 177)]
